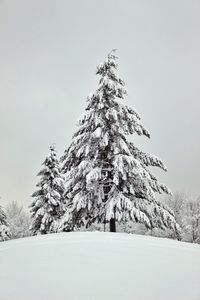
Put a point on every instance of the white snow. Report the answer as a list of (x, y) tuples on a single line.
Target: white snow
[(99, 266)]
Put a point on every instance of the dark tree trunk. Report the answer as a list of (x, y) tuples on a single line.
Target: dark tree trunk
[(112, 225)]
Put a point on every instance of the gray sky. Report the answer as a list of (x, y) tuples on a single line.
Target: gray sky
[(49, 51)]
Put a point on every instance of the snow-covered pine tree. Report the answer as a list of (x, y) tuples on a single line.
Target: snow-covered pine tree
[(2, 217), (48, 205), (4, 229), (108, 179)]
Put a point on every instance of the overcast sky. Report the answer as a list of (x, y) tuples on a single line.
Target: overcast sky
[(49, 51)]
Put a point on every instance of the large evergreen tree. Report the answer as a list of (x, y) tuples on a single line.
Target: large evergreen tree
[(108, 179), (48, 205)]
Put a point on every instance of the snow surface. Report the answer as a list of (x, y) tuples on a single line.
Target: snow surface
[(99, 266)]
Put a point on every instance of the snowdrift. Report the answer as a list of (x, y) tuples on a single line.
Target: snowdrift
[(99, 266)]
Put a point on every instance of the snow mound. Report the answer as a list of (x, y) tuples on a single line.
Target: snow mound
[(99, 266)]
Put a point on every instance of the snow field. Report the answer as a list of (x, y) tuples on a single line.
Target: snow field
[(97, 266)]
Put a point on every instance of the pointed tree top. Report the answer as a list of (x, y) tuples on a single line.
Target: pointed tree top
[(52, 148), (109, 64), (111, 54)]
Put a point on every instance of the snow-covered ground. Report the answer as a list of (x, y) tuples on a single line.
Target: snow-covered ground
[(99, 266)]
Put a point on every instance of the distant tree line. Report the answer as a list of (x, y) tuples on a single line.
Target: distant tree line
[(187, 214), (16, 222)]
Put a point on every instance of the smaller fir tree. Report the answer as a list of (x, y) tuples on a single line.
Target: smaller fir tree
[(48, 205)]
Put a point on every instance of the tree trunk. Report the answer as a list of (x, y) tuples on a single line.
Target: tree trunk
[(112, 225)]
